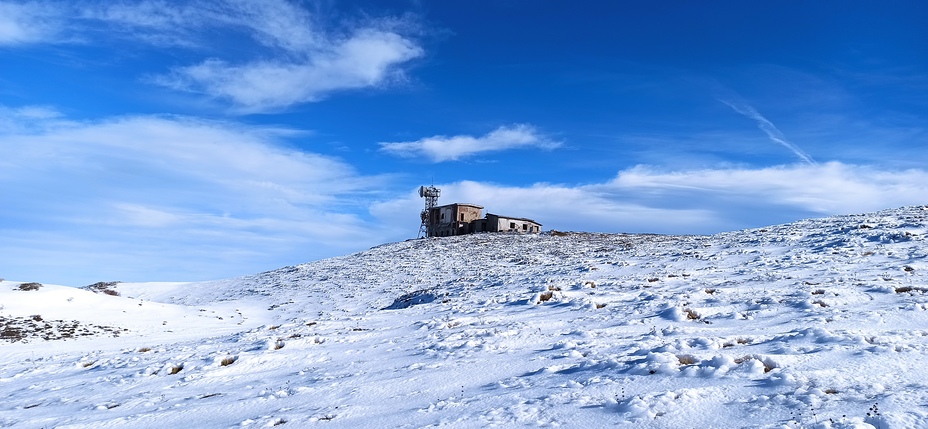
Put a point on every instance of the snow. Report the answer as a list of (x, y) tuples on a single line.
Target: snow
[(821, 323)]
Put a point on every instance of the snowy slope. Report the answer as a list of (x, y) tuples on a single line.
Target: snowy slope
[(820, 323)]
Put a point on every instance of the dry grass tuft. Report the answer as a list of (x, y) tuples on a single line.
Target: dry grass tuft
[(590, 283), (768, 365), (741, 341), (177, 368), (691, 314), (818, 292), (228, 361), (559, 233), (545, 296), (144, 349), (88, 364), (687, 359), (598, 306), (279, 344), (554, 288), (710, 291), (820, 303), (831, 391)]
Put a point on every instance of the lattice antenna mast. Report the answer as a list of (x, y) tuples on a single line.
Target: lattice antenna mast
[(430, 193)]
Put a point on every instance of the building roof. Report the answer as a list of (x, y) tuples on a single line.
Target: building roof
[(514, 218), (459, 204)]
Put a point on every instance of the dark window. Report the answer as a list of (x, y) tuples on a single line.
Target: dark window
[(524, 227), (462, 217), (512, 225)]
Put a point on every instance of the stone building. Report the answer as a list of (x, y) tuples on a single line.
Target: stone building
[(460, 219)]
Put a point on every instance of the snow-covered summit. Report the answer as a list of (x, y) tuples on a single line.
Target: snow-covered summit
[(818, 323)]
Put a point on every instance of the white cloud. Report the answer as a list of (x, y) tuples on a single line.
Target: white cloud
[(367, 59), (645, 199), (444, 148), (305, 61), (171, 197), (25, 23), (296, 56)]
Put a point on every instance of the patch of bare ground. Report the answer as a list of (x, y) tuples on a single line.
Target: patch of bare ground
[(25, 329)]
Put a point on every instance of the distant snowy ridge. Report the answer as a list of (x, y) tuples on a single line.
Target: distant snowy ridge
[(820, 323)]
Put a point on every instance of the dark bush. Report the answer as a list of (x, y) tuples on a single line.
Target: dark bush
[(30, 286)]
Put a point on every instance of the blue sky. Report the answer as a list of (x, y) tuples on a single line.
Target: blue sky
[(160, 140)]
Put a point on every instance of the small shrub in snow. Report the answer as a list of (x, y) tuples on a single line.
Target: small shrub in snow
[(768, 363), (687, 359), (691, 314), (30, 286), (279, 344), (144, 349), (228, 361), (177, 368), (740, 341), (545, 296)]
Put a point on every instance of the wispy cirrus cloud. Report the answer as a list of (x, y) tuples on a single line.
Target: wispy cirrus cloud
[(29, 22), (768, 128), (294, 55), (169, 197), (445, 148)]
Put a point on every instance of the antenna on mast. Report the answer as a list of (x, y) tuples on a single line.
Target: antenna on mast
[(430, 194)]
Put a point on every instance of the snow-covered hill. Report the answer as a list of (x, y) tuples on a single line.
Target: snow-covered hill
[(820, 323)]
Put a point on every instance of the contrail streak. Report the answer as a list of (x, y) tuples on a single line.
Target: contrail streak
[(768, 128)]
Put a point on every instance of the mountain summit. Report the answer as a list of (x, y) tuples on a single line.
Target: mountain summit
[(819, 323)]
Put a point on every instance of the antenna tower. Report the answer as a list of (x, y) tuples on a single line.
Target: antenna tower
[(430, 193)]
